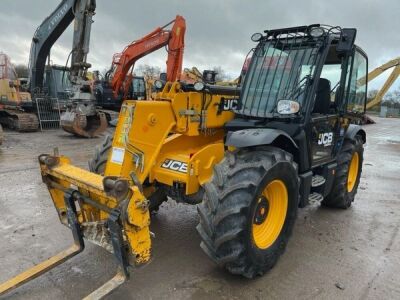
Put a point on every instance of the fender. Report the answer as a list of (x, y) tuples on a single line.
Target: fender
[(256, 137), (353, 130)]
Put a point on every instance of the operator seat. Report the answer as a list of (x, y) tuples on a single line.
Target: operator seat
[(323, 97)]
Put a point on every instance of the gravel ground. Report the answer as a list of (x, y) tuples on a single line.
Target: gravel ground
[(332, 253)]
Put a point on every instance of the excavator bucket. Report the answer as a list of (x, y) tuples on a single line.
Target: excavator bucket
[(109, 211), (82, 125)]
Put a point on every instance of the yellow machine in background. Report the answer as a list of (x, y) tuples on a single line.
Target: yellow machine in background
[(194, 75), (14, 102), (191, 75), (13, 106), (395, 64)]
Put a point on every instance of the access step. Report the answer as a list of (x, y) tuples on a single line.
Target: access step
[(317, 180), (315, 197)]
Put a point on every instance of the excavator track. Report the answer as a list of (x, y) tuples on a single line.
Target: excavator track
[(20, 121), (82, 125)]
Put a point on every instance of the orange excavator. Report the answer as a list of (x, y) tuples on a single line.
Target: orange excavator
[(120, 82), (121, 72)]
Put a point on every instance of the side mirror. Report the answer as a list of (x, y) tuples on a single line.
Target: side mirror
[(347, 39)]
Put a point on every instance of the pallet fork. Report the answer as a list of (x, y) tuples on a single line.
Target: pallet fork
[(78, 246)]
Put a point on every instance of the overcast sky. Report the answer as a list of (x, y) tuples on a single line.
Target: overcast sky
[(218, 32)]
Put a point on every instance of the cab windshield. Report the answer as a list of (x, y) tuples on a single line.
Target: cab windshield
[(61, 80), (280, 70)]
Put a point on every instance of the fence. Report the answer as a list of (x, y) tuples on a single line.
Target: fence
[(48, 110)]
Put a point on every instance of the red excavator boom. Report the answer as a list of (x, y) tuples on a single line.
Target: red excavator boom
[(173, 39)]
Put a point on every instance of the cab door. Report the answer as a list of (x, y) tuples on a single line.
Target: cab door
[(355, 99), (325, 124), (348, 90)]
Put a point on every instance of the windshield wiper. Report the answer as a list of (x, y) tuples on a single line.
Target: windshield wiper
[(336, 85), (295, 91)]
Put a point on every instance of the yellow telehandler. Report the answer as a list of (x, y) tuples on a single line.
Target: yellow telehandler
[(248, 156)]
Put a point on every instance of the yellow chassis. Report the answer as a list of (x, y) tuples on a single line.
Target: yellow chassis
[(178, 138)]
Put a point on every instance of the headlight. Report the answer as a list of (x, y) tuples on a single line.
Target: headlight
[(256, 37), (287, 107), (199, 86), (158, 84), (316, 32)]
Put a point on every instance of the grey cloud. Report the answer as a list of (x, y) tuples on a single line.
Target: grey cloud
[(217, 31)]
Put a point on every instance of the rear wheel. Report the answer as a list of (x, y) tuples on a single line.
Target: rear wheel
[(348, 173), (249, 210), (97, 164)]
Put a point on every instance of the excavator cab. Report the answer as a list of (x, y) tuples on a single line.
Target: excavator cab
[(106, 99), (138, 90)]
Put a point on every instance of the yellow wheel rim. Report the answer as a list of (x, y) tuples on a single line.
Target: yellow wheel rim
[(353, 172), (270, 214)]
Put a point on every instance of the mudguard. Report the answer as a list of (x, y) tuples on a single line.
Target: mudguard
[(353, 130), (256, 136)]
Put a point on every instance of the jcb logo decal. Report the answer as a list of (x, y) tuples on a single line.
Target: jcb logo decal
[(175, 165), (230, 104), (325, 139)]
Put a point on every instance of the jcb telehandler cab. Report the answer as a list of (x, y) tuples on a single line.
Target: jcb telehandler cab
[(249, 161)]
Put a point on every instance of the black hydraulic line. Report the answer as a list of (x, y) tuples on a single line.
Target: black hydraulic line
[(214, 89), (79, 197)]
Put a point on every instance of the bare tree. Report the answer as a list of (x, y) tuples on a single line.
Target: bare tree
[(147, 70)]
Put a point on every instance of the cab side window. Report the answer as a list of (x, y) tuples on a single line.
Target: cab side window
[(357, 86)]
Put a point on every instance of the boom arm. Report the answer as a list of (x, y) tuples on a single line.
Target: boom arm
[(173, 39), (394, 63), (52, 28)]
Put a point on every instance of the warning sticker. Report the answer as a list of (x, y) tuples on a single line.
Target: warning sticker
[(117, 156)]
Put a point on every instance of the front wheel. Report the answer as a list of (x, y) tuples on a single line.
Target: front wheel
[(249, 210)]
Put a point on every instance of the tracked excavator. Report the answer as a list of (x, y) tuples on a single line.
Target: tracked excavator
[(120, 74), (16, 106), (81, 118), (120, 82), (248, 156)]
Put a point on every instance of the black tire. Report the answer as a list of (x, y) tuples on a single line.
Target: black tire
[(227, 211), (339, 196), (1, 134), (97, 164)]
